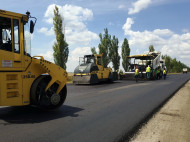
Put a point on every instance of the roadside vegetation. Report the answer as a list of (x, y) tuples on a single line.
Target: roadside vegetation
[(109, 46), (173, 65)]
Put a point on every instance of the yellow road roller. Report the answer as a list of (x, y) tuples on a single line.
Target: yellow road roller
[(91, 71), (26, 80)]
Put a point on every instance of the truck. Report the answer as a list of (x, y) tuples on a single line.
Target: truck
[(91, 71), (26, 80), (184, 70)]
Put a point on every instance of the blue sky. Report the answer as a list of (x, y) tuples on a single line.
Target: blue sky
[(163, 23)]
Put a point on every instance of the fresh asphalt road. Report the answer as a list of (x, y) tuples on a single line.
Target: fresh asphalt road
[(91, 113)]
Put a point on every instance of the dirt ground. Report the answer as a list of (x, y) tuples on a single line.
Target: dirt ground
[(171, 123)]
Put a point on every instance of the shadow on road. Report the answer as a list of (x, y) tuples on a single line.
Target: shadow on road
[(28, 114), (98, 84)]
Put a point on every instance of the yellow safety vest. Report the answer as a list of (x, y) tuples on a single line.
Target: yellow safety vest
[(164, 71), (148, 69), (136, 71)]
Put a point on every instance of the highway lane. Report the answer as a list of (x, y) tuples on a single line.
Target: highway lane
[(91, 113)]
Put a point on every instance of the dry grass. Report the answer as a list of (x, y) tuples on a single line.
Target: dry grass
[(174, 73)]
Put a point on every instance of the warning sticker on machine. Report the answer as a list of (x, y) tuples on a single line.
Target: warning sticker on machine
[(7, 63)]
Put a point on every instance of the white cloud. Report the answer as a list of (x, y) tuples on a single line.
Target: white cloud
[(45, 31), (127, 25), (139, 5), (77, 34), (73, 60), (69, 12), (48, 56), (163, 32), (185, 30), (121, 6), (164, 40), (74, 18), (80, 38), (80, 52)]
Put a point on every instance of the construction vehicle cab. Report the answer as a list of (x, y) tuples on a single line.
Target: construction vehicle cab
[(26, 80), (91, 70)]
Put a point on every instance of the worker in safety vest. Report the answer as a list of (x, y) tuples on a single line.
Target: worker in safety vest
[(148, 72), (136, 73), (164, 73), (158, 73)]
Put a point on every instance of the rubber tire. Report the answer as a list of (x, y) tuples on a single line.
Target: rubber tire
[(39, 96)]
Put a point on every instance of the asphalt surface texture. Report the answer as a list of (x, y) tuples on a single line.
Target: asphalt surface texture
[(107, 112)]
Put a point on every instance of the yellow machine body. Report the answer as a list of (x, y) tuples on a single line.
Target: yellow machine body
[(92, 71), (102, 73), (18, 70)]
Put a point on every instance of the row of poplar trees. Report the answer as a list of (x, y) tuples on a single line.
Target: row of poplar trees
[(109, 46)]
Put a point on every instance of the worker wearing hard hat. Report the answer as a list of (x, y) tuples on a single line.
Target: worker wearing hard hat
[(148, 72)]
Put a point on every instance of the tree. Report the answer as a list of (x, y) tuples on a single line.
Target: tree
[(93, 50), (151, 48), (168, 63), (113, 53), (105, 43), (60, 47), (125, 51), (173, 65)]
